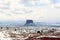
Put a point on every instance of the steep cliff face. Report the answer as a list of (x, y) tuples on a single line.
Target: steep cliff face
[(29, 23)]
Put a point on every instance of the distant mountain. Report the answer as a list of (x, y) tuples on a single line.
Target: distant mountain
[(40, 23), (47, 24), (12, 23), (23, 23)]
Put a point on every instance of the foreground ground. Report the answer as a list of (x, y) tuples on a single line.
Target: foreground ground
[(30, 34)]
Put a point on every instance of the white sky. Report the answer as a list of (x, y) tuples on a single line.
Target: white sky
[(38, 10)]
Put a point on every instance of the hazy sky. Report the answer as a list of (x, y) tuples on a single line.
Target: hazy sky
[(38, 10)]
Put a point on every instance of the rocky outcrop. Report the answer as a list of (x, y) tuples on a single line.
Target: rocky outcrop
[(29, 23)]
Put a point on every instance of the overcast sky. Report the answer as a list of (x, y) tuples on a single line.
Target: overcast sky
[(37, 10)]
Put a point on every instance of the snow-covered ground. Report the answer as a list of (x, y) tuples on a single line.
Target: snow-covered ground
[(19, 33)]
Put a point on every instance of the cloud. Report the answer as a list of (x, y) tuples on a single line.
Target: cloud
[(8, 15), (35, 3), (41, 10), (57, 4), (54, 1)]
